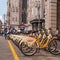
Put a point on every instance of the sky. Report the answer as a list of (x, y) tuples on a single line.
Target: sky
[(3, 7)]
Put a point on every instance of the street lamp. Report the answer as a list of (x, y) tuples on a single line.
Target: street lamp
[(37, 5)]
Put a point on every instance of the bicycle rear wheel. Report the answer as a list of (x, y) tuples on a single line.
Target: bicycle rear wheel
[(52, 47)]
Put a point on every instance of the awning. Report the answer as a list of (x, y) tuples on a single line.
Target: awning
[(37, 20)]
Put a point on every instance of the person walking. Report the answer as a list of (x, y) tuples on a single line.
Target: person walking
[(5, 33)]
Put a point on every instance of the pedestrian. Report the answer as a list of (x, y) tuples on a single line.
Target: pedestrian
[(5, 33), (8, 30)]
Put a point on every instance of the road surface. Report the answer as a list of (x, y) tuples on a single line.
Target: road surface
[(7, 53)]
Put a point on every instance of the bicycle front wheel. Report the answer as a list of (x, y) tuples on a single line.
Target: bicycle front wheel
[(27, 50)]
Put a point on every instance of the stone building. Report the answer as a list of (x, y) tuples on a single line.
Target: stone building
[(14, 13), (24, 11), (35, 11), (32, 10), (52, 14), (0, 24), (49, 10)]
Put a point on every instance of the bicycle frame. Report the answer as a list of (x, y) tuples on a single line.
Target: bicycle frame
[(40, 42)]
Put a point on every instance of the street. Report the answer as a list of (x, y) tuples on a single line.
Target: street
[(7, 54)]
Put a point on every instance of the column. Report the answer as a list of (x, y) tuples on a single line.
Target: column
[(51, 14)]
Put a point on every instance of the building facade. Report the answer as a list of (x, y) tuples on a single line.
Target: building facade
[(32, 10), (14, 12), (0, 24), (24, 11), (58, 15), (52, 14), (35, 10), (49, 10)]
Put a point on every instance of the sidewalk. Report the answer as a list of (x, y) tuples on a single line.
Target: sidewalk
[(5, 52)]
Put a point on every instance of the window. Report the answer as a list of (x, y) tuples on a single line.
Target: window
[(16, 9), (13, 9), (44, 13), (45, 0)]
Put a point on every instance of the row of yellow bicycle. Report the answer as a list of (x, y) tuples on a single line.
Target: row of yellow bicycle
[(43, 41), (33, 42)]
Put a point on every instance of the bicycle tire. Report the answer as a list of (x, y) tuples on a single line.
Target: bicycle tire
[(54, 52), (29, 49)]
